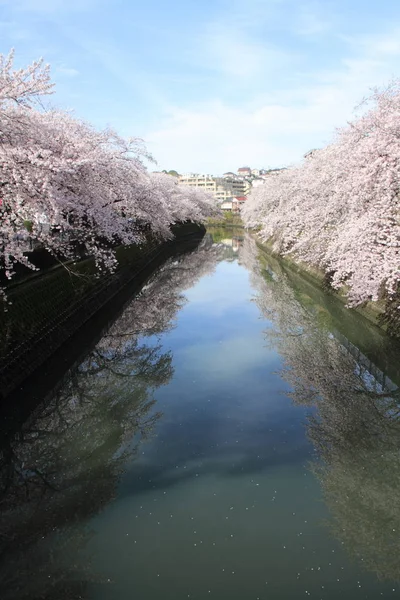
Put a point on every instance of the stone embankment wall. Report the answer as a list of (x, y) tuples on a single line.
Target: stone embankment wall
[(48, 307), (384, 313)]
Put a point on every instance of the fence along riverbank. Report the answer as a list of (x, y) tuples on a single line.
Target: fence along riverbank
[(46, 309)]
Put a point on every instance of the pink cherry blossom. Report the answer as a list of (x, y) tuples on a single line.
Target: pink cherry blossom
[(339, 209), (73, 185)]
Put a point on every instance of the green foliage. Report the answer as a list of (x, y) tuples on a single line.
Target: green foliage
[(227, 219), (217, 233)]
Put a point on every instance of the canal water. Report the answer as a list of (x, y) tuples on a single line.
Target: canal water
[(234, 435)]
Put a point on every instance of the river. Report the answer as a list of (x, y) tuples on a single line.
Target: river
[(234, 435)]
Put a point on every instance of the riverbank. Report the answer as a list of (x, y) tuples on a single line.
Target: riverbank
[(228, 219), (49, 307), (374, 312)]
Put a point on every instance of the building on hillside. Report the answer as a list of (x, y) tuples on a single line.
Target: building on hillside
[(234, 186), (255, 172), (244, 172), (227, 205), (237, 203), (222, 188), (205, 182)]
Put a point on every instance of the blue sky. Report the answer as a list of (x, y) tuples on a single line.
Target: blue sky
[(210, 85)]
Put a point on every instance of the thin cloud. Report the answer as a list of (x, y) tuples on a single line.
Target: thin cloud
[(278, 132), (68, 71), (311, 23), (234, 54), (51, 7)]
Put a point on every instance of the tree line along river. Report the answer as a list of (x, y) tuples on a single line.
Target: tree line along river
[(233, 434)]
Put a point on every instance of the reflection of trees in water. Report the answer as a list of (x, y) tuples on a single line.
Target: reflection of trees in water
[(153, 310), (63, 465), (356, 428)]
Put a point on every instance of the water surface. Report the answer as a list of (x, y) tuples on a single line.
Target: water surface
[(234, 435)]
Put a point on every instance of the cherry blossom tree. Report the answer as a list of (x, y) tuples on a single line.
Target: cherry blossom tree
[(23, 86), (339, 209), (66, 185)]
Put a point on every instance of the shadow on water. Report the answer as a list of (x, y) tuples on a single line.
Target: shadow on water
[(61, 466), (356, 426)]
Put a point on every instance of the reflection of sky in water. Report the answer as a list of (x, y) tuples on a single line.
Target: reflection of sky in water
[(220, 503)]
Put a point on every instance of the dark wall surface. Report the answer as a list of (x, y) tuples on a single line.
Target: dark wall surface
[(43, 311)]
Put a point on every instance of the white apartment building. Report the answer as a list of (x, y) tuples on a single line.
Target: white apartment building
[(221, 188)]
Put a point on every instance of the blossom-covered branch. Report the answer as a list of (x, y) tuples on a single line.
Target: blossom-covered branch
[(66, 185), (339, 209)]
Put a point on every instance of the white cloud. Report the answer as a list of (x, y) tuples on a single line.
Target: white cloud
[(217, 136), (211, 138), (235, 41), (51, 6), (224, 361), (311, 21), (126, 69), (14, 31), (233, 53), (68, 71)]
